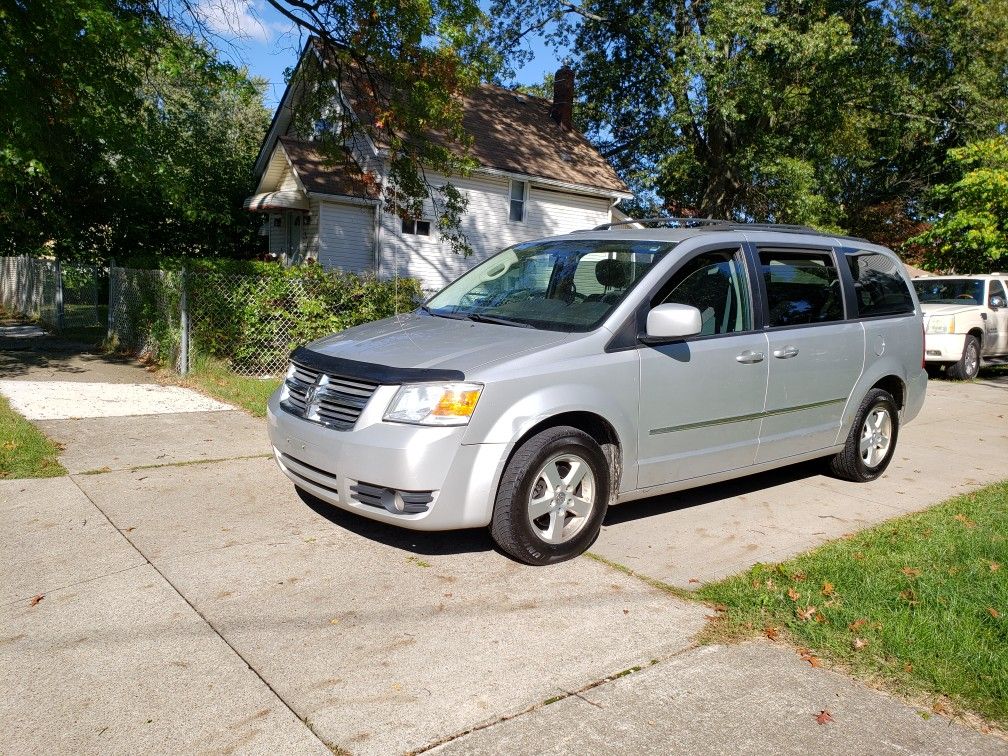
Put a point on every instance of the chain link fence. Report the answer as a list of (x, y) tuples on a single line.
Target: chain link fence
[(250, 322), (59, 296)]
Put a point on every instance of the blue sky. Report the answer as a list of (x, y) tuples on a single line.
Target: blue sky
[(268, 44)]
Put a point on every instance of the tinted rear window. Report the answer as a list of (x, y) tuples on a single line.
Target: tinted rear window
[(801, 288), (879, 287)]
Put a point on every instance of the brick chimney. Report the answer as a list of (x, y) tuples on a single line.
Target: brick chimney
[(563, 97)]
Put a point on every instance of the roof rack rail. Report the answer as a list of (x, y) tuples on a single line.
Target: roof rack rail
[(671, 220), (715, 224)]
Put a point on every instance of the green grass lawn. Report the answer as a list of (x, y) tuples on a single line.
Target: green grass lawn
[(920, 602), (215, 379), (25, 452)]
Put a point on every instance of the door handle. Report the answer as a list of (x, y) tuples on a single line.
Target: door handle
[(786, 353), (749, 356)]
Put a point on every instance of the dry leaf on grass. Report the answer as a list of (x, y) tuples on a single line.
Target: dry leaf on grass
[(993, 612), (793, 594), (823, 717), (857, 624), (805, 614), (994, 566), (771, 632), (911, 572), (828, 589), (859, 644)]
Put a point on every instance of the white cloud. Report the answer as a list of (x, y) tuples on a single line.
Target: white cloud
[(240, 19)]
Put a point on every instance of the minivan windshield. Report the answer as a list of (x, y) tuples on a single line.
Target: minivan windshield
[(964, 291), (564, 285)]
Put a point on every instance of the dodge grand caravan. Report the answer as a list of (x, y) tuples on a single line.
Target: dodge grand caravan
[(565, 375)]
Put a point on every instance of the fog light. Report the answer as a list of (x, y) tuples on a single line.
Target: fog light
[(393, 501)]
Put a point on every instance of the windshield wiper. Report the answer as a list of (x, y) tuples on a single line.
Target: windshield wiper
[(449, 315), (479, 318)]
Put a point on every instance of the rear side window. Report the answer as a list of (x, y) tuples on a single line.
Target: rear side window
[(996, 290), (802, 288), (879, 288)]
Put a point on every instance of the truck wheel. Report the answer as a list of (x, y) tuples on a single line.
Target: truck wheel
[(969, 364), (871, 441), (552, 497)]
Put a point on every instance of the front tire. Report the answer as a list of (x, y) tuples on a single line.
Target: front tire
[(968, 366), (552, 497), (872, 439)]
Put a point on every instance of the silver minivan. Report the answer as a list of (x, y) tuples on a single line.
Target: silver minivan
[(572, 373)]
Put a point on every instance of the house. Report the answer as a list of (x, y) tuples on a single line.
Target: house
[(537, 176)]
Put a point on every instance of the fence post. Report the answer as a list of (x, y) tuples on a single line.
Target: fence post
[(59, 296), (111, 298), (184, 339)]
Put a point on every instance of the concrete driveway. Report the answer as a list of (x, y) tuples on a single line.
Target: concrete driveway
[(186, 599)]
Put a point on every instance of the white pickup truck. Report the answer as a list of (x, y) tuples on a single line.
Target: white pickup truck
[(965, 322)]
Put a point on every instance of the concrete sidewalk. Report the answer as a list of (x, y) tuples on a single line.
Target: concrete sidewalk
[(191, 601)]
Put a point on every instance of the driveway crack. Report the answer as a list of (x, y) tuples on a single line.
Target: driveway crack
[(303, 719)]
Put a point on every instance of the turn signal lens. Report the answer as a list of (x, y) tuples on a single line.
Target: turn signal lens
[(457, 402)]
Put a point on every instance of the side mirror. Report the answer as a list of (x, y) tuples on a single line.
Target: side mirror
[(667, 322), (997, 302)]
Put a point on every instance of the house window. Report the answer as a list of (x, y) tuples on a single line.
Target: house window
[(519, 194), (417, 227)]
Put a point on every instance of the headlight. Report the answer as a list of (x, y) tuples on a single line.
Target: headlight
[(434, 403), (941, 324)]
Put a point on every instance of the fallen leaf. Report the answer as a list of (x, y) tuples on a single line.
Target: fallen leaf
[(626, 611), (334, 621), (35, 599), (966, 521), (819, 618), (994, 566), (828, 589), (909, 596), (793, 594), (911, 572), (908, 667), (859, 555), (805, 614), (771, 632), (823, 717), (799, 576), (993, 612), (939, 708), (693, 580), (859, 644), (857, 624)]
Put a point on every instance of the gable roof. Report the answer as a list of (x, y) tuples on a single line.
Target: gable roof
[(321, 175), (514, 132), (511, 132)]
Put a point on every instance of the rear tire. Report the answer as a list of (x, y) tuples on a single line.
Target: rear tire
[(552, 497), (872, 439), (968, 366)]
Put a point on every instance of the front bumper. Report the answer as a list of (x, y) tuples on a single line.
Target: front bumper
[(327, 463), (944, 347)]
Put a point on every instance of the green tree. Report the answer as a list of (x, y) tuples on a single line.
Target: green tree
[(970, 235), (828, 112), (120, 135), (403, 66)]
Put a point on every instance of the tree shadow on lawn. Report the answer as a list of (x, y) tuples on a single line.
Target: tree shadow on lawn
[(439, 543)]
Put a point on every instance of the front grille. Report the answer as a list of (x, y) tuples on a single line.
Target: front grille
[(413, 502), (332, 400)]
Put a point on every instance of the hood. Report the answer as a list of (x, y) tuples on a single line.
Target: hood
[(946, 309), (418, 340)]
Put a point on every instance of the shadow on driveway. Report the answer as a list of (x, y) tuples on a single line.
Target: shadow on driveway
[(416, 541)]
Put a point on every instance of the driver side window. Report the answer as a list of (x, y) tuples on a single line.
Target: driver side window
[(716, 284)]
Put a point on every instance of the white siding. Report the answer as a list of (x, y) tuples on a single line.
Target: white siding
[(345, 234), (548, 212)]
